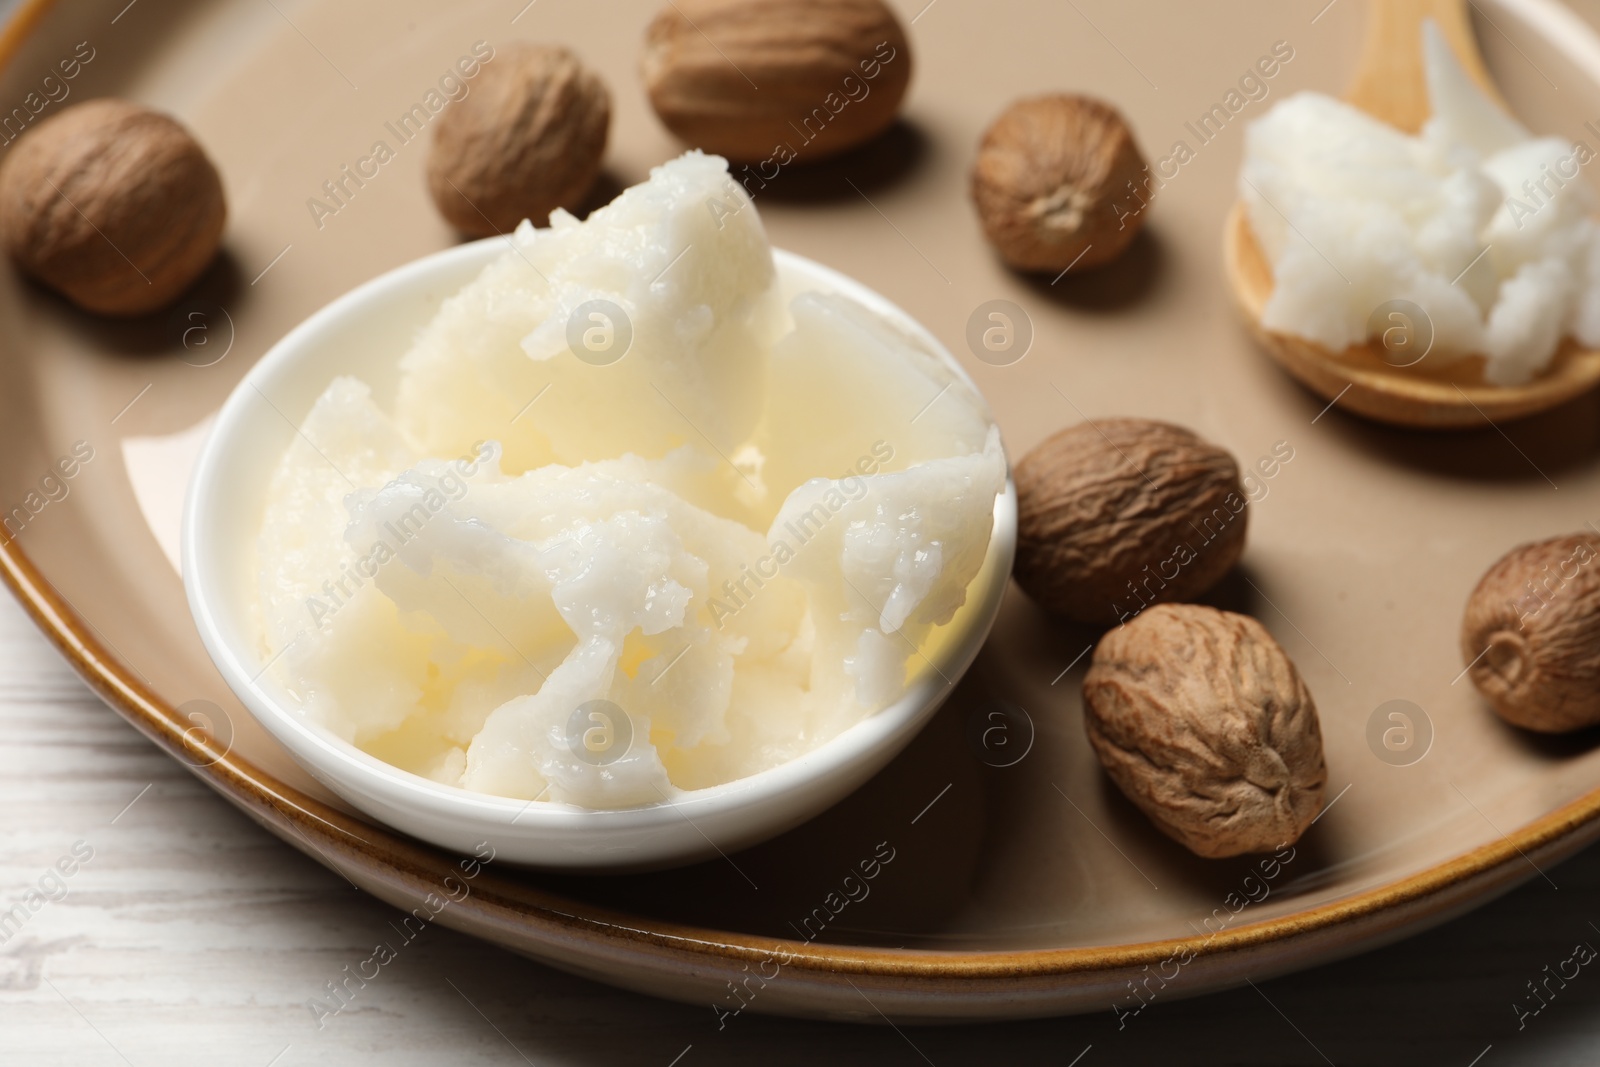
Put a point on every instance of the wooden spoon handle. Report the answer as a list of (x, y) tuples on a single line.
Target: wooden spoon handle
[(1390, 83)]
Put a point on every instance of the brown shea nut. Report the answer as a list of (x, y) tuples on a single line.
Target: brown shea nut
[(772, 81), (1202, 721), (528, 138), (1531, 634), (113, 205), (1059, 182), (1114, 515)]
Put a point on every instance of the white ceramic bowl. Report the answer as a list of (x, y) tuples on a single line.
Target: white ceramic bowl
[(364, 333)]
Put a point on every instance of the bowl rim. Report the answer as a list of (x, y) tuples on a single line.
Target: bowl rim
[(386, 860), (325, 753)]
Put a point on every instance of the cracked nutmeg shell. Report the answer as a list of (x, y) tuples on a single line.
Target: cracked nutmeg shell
[(113, 205), (1114, 515), (528, 138), (1059, 182), (1202, 721), (771, 81), (1531, 634)]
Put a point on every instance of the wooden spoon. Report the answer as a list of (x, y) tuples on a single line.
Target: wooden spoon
[(1390, 85)]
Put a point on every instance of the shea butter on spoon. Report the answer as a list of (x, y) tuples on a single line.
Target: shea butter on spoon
[(1416, 253)]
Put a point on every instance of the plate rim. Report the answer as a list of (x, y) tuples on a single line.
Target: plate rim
[(403, 865)]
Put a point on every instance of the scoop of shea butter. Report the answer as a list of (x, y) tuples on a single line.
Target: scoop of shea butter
[(1484, 227), (682, 257), (730, 543)]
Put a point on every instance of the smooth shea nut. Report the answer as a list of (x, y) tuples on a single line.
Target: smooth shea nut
[(528, 139), (1059, 182), (776, 80), (1531, 634), (1204, 723), (1115, 515), (113, 205)]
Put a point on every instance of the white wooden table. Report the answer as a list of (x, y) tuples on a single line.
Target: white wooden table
[(193, 937)]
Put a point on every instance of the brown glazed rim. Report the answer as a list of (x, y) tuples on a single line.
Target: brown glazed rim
[(394, 866)]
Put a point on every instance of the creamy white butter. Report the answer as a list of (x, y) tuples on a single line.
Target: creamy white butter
[(1478, 223), (743, 533)]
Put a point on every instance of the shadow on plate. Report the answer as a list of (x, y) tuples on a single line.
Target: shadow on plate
[(1237, 592), (1116, 286), (872, 167), (1536, 449), (897, 857), (606, 188), (1556, 748), (159, 333)]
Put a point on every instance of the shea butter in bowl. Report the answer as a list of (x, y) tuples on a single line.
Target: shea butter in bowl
[(616, 544)]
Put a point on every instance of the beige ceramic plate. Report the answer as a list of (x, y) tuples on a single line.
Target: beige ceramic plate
[(1012, 890)]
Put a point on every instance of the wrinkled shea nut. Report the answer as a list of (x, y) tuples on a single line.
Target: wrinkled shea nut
[(1059, 182), (1531, 634), (527, 139), (1114, 515), (1202, 721), (771, 81), (111, 204)]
